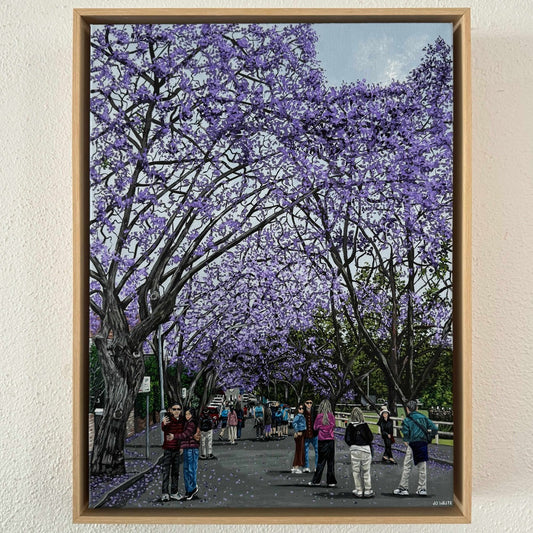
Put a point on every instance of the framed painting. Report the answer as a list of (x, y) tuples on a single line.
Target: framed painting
[(272, 266)]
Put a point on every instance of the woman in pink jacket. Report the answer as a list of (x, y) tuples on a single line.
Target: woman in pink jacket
[(325, 425)]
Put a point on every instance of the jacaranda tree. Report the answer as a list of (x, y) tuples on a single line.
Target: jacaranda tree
[(383, 225), (194, 147)]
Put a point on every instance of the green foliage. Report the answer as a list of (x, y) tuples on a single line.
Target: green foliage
[(150, 369), (439, 391)]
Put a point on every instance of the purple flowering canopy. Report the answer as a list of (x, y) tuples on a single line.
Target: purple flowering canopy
[(247, 210)]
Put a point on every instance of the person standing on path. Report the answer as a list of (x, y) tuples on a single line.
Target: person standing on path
[(359, 438), (268, 421), (310, 435), (240, 418), (206, 435), (386, 427), (233, 421), (259, 422), (298, 425), (172, 424), (223, 421), (285, 423), (325, 426), (189, 444), (417, 431)]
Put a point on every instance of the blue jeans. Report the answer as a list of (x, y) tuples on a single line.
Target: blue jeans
[(190, 468), (308, 442)]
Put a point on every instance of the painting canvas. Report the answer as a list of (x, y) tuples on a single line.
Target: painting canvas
[(270, 235)]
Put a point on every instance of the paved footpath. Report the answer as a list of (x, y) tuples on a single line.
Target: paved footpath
[(257, 474)]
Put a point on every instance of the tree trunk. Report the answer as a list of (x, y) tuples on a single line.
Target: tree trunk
[(392, 400), (123, 377)]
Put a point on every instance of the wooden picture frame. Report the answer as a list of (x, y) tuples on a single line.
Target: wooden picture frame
[(460, 511)]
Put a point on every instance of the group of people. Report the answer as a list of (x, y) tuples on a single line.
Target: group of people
[(191, 438), (182, 436), (232, 419), (271, 422), (316, 428)]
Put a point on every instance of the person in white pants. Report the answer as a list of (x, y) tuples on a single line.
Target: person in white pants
[(359, 437), (206, 435)]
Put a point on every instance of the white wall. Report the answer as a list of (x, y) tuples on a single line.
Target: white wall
[(35, 263)]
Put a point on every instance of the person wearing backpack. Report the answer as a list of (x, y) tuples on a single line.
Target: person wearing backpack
[(206, 435), (359, 438), (418, 431), (223, 421)]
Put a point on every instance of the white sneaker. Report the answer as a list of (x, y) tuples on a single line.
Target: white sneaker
[(176, 496), (401, 492), (165, 498), (357, 493), (297, 471), (421, 492), (306, 470)]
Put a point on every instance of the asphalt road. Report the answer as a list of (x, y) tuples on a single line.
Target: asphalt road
[(255, 474)]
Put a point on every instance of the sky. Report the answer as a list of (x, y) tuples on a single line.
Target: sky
[(378, 53)]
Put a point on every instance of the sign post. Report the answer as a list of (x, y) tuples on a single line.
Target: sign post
[(145, 389)]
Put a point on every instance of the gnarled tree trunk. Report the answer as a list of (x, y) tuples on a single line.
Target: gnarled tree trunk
[(123, 373)]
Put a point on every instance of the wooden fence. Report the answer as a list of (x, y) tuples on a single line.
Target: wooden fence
[(342, 419)]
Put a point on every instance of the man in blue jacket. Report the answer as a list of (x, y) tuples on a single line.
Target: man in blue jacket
[(417, 431)]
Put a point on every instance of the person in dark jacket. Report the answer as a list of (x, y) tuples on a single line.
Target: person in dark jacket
[(310, 435), (240, 418), (268, 421), (386, 428), (189, 445), (359, 438), (172, 424), (206, 436)]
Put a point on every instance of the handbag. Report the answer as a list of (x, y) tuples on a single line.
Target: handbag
[(392, 441)]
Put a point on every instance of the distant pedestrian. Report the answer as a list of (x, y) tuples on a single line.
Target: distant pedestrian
[(206, 436), (387, 434), (359, 438), (189, 443), (268, 421), (223, 421), (417, 431), (240, 418), (285, 420), (259, 422), (310, 435), (276, 421), (325, 425), (298, 425), (233, 421), (172, 424)]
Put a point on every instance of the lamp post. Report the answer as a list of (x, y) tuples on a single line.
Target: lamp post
[(154, 300)]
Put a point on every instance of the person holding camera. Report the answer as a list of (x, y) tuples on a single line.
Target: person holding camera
[(172, 424)]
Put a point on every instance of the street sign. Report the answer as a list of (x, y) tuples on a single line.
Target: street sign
[(145, 386)]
